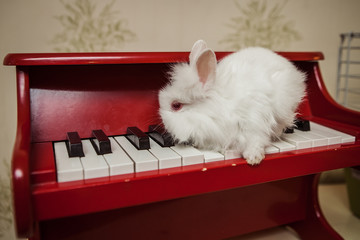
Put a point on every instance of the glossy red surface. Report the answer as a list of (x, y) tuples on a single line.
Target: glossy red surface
[(83, 98), (41, 169), (215, 215), (20, 170), (59, 93), (315, 226), (36, 59)]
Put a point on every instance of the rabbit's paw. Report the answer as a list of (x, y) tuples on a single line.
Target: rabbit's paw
[(254, 156)]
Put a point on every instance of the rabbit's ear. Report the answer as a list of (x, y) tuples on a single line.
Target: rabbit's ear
[(206, 66), (198, 47)]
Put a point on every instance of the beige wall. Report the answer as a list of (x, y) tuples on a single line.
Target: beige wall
[(164, 25)]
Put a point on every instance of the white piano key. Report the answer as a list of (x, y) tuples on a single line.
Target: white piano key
[(167, 157), (118, 161), (212, 156), (125, 158), (333, 138), (68, 169), (271, 149), (297, 141), (143, 159), (317, 140), (189, 155), (345, 138), (94, 165), (232, 154), (283, 146)]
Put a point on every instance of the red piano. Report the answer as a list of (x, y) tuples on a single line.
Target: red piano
[(81, 92)]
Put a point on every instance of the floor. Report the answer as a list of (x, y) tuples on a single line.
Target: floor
[(335, 206)]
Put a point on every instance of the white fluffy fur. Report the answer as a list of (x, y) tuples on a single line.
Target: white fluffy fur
[(251, 100)]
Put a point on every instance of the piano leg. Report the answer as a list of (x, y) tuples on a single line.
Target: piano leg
[(314, 226)]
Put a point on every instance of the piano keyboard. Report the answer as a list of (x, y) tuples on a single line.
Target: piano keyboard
[(125, 156)]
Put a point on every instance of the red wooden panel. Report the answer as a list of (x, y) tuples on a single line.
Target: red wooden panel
[(83, 98), (42, 163), (33, 59), (20, 169), (216, 215), (322, 104)]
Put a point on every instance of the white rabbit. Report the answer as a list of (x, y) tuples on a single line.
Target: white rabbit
[(241, 103)]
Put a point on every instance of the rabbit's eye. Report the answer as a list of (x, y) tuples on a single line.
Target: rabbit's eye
[(176, 106)]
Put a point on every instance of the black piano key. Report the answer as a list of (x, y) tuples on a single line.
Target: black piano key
[(302, 125), (138, 138), (289, 130), (159, 134), (74, 145), (100, 142)]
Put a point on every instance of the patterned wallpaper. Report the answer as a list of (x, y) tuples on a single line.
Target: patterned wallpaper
[(260, 23), (6, 219), (93, 26), (89, 27)]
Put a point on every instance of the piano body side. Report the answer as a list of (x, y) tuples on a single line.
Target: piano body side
[(37, 80), (325, 107), (20, 168)]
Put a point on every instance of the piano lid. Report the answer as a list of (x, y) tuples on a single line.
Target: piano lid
[(34, 59)]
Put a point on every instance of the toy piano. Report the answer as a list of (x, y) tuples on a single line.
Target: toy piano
[(78, 170)]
